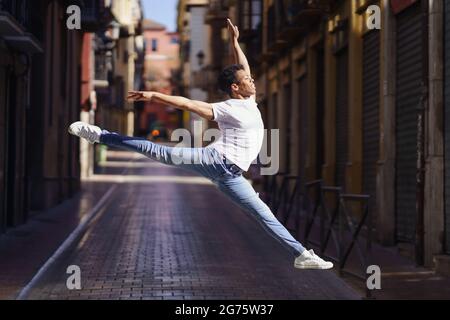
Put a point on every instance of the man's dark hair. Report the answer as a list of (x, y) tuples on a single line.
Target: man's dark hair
[(228, 76)]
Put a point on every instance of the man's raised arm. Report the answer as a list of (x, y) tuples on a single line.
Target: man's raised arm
[(201, 108), (238, 54)]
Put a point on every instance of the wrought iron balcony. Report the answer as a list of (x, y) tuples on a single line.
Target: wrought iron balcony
[(217, 10), (250, 18), (95, 15), (218, 5), (290, 18), (304, 12)]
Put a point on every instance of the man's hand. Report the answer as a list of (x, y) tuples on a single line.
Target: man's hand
[(140, 95), (233, 30)]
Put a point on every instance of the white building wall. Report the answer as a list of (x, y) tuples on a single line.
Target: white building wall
[(199, 36)]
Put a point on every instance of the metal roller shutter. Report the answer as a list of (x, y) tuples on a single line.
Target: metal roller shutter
[(3, 102), (371, 101), (447, 126), (319, 112), (409, 78), (341, 115)]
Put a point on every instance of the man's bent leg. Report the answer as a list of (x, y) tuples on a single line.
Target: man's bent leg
[(242, 193)]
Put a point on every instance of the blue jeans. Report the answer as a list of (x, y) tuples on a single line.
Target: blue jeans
[(226, 176)]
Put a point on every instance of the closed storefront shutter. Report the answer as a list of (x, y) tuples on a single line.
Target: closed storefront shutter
[(11, 193), (409, 88), (3, 101), (371, 102), (320, 99), (341, 115), (447, 126)]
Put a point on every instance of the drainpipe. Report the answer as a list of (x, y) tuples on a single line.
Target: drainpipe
[(420, 172), (420, 177)]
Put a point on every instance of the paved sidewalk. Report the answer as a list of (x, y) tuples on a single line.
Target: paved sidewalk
[(165, 234), (400, 277), (24, 249)]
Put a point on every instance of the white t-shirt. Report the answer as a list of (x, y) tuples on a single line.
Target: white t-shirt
[(241, 130)]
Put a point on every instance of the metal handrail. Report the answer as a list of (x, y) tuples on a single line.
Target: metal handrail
[(273, 189), (327, 220), (283, 193), (326, 229), (355, 229)]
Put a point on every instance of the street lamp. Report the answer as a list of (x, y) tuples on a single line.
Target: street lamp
[(114, 30)]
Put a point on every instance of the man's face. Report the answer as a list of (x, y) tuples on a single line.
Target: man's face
[(245, 85)]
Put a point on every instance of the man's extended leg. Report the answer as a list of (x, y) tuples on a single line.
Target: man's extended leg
[(157, 152), (242, 193), (204, 161)]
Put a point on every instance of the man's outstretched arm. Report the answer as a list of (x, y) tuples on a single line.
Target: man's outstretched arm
[(203, 109), (238, 54)]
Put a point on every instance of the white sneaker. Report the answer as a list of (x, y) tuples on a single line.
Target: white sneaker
[(85, 130), (309, 260)]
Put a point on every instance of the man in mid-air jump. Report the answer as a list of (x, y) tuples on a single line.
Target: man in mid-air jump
[(224, 160)]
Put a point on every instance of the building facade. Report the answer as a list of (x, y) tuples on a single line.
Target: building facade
[(161, 73), (113, 56), (360, 108), (47, 75), (117, 48), (195, 54), (39, 77)]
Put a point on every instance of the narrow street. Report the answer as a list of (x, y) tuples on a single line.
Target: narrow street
[(346, 103), (164, 234)]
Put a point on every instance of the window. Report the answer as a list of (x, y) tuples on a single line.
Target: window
[(251, 14), (174, 40), (256, 14), (154, 45)]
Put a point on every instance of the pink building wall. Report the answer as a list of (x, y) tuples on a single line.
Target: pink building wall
[(158, 75)]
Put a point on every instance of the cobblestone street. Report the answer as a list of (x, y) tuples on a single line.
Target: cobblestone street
[(336, 112), (163, 234)]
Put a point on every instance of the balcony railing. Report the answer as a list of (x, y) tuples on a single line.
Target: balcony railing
[(289, 18), (217, 10), (95, 14), (250, 17), (218, 5)]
